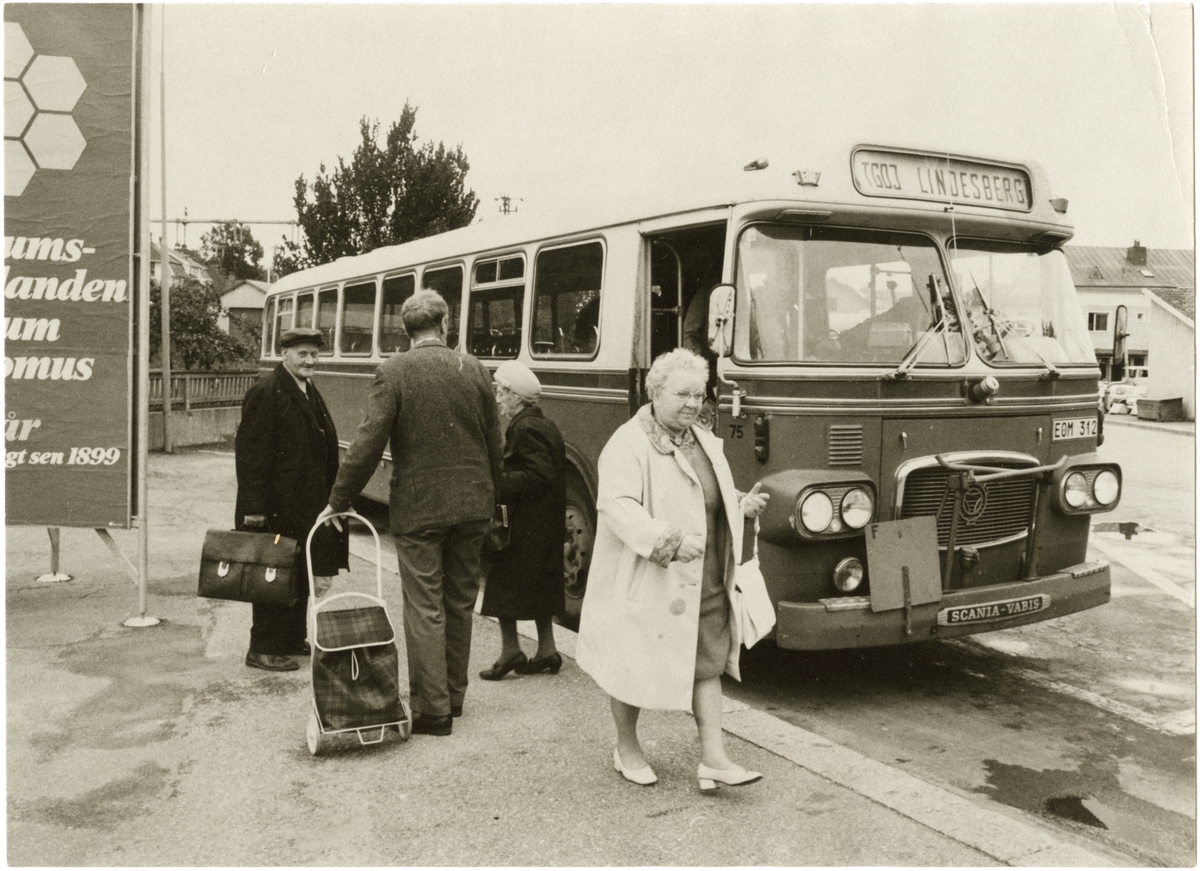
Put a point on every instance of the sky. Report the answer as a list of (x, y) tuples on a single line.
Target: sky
[(593, 102)]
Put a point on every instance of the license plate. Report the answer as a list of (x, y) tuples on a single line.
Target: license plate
[(985, 612), (1075, 428)]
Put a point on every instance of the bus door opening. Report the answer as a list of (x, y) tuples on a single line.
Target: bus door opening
[(684, 266)]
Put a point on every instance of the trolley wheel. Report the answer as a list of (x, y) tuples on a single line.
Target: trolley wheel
[(314, 734)]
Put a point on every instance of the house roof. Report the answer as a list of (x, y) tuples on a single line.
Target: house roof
[(1097, 267), (1183, 301), (178, 259), (260, 286)]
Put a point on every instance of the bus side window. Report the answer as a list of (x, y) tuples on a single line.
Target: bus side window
[(284, 309), (497, 305), (326, 314), (358, 313), (449, 283), (305, 305), (566, 300), (392, 337)]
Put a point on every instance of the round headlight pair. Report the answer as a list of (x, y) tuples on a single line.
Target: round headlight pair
[(817, 514), (1104, 489)]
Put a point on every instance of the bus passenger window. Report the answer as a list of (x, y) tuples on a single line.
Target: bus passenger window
[(358, 315), (326, 314), (448, 282), (497, 301), (305, 305), (566, 300), (392, 337), (284, 309), (494, 323)]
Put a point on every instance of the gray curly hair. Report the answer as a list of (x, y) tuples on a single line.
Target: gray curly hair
[(681, 359)]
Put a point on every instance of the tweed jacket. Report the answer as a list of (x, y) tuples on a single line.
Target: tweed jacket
[(436, 407), (641, 613)]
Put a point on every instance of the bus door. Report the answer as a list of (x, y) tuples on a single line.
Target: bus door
[(685, 264)]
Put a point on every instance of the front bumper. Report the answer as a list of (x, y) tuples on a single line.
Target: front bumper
[(848, 621)]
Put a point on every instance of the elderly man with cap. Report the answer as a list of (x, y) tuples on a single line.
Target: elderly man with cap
[(435, 406), (526, 578), (287, 459)]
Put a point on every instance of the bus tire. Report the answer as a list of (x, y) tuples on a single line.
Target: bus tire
[(579, 537)]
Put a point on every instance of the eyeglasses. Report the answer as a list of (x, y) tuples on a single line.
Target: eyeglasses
[(685, 395)]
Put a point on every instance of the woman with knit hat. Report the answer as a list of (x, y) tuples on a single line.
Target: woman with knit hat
[(526, 578)]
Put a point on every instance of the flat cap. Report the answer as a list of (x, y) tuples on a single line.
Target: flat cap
[(301, 336), (519, 379)]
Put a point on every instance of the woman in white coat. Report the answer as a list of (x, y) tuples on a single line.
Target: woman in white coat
[(655, 630)]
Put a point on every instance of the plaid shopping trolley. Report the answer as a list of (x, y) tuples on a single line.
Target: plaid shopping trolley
[(355, 667)]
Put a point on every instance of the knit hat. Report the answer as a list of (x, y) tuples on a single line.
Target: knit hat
[(517, 378)]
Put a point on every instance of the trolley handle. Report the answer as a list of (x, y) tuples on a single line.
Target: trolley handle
[(312, 584)]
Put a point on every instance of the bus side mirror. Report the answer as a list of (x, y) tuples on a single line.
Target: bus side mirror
[(720, 319)]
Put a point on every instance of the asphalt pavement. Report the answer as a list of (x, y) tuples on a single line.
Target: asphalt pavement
[(158, 746)]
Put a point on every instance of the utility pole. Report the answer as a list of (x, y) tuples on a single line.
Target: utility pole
[(165, 272), (506, 204)]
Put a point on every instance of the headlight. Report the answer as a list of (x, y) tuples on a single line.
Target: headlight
[(1075, 490), (848, 575), (816, 511), (857, 508), (1106, 488)]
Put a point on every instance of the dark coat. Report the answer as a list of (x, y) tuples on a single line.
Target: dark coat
[(287, 460), (526, 579), (436, 407)]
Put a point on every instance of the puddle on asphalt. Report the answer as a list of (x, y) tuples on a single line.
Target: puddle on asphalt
[(1088, 797)]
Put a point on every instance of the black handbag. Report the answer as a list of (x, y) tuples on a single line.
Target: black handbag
[(257, 567), (498, 531)]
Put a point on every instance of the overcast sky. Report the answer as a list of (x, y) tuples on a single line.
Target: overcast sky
[(590, 101)]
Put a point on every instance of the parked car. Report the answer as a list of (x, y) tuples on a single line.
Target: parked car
[(1121, 397)]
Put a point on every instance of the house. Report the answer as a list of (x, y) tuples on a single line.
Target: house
[(1108, 278), (1172, 333), (242, 306), (181, 264)]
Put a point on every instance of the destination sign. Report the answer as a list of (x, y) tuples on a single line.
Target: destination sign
[(940, 179)]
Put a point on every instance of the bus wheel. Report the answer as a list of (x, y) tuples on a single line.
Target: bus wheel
[(579, 536)]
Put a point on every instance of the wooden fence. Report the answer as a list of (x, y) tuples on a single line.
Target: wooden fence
[(202, 388)]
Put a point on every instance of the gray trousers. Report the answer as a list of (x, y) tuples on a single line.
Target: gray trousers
[(440, 577)]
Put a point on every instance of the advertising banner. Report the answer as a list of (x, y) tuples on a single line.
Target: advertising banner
[(68, 268)]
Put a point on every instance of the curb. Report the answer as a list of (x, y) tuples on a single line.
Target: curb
[(1188, 429)]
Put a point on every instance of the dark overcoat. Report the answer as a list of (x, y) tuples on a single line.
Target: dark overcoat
[(526, 579), (436, 408), (287, 461)]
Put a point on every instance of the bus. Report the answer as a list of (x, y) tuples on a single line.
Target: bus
[(898, 354)]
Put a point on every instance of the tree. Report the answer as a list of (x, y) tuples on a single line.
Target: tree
[(385, 196), (197, 342), (232, 249)]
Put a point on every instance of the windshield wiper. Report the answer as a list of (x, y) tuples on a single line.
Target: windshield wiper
[(939, 327), (1001, 333)]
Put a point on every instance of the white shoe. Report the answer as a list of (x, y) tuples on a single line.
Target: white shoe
[(643, 776), (710, 777)]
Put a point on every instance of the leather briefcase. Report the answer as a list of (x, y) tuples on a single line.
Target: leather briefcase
[(257, 567)]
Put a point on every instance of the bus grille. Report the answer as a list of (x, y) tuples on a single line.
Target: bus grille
[(845, 444), (1004, 512)]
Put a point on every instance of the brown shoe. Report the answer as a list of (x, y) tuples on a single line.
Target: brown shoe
[(271, 662)]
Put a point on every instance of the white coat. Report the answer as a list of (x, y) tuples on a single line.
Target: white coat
[(641, 612)]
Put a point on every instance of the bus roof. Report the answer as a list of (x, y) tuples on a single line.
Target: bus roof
[(818, 175)]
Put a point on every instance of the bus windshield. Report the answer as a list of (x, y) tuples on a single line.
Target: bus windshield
[(1021, 304), (833, 295)]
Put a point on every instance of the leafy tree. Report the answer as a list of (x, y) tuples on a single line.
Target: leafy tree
[(232, 249), (197, 342), (386, 195)]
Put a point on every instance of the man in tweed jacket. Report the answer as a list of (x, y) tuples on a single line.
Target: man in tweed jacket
[(437, 408)]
